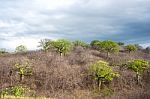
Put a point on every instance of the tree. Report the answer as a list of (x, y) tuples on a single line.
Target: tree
[(94, 44), (109, 47), (147, 50), (2, 51), (138, 46), (120, 43), (16, 91), (131, 48), (46, 44), (23, 70), (19, 90), (138, 66), (103, 72), (62, 46), (80, 43), (21, 48)]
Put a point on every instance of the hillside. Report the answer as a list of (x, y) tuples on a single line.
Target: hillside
[(69, 77)]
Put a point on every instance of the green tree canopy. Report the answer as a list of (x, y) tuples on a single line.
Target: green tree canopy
[(138, 66), (62, 46), (103, 72), (21, 48), (80, 43), (94, 42), (2, 51), (15, 91), (46, 44), (147, 50), (131, 48), (23, 70), (120, 43), (138, 46), (109, 47)]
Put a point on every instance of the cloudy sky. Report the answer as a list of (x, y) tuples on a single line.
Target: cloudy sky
[(27, 21)]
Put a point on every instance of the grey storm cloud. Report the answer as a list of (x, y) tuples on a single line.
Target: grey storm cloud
[(27, 21)]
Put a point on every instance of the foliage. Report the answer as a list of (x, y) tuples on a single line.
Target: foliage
[(21, 48), (109, 47), (15, 91), (138, 66), (131, 48), (97, 45), (120, 43), (23, 69), (94, 43), (147, 50), (2, 51), (46, 44), (80, 43), (103, 72), (18, 90), (62, 46), (3, 93), (138, 46)]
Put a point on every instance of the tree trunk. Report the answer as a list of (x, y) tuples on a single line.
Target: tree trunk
[(64, 54), (107, 54), (10, 75), (137, 78), (129, 51), (60, 53), (99, 84), (21, 77)]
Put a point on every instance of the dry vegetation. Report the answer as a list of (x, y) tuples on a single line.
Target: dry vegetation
[(68, 77)]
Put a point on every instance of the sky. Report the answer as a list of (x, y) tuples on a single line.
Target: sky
[(26, 22)]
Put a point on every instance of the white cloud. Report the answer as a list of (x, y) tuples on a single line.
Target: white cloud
[(11, 28), (4, 24), (30, 42), (53, 4), (145, 45), (120, 20)]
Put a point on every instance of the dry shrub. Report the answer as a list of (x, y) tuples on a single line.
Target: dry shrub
[(68, 77)]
